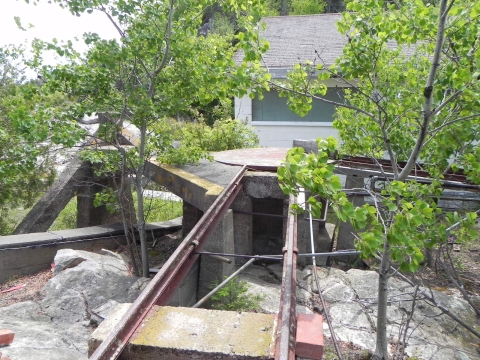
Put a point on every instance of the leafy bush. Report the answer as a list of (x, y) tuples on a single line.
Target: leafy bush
[(233, 297), (223, 135)]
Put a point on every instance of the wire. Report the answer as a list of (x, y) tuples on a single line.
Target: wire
[(315, 275)]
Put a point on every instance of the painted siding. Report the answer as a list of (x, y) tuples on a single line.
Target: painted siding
[(274, 108)]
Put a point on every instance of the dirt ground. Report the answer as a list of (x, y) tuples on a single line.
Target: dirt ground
[(30, 286)]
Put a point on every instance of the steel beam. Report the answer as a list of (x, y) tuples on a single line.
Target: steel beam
[(287, 319)]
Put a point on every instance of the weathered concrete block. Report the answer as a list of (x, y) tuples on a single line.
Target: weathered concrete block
[(46, 210), (185, 333), (310, 146)]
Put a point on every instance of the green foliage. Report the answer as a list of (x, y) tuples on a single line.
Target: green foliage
[(67, 218), (26, 129), (225, 134), (222, 25), (157, 69), (233, 297), (157, 209), (406, 214), (414, 72), (307, 7), (295, 7)]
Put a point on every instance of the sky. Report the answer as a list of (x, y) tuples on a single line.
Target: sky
[(49, 21)]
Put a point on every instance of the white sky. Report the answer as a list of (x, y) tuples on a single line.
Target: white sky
[(50, 21)]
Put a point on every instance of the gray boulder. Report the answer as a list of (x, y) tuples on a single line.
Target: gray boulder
[(59, 326)]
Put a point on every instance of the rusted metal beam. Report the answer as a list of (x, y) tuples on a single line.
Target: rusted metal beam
[(287, 319), (162, 287)]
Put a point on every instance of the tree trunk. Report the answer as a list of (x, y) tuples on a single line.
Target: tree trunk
[(381, 350), (283, 7), (140, 205)]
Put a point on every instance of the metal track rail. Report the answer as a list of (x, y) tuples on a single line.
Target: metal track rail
[(162, 287), (287, 319)]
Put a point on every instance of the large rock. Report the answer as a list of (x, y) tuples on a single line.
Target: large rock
[(351, 299), (37, 337), (58, 327), (89, 280), (352, 302)]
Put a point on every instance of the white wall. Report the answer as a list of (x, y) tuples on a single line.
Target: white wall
[(281, 133)]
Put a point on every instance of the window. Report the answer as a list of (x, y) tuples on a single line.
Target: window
[(275, 108)]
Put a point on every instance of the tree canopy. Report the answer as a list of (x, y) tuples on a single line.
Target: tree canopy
[(414, 99), (160, 66)]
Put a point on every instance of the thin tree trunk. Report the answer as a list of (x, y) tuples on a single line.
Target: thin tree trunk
[(140, 205), (381, 350), (283, 7)]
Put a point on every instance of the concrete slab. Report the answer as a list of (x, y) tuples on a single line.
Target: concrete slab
[(215, 172), (186, 333), (257, 158), (190, 187)]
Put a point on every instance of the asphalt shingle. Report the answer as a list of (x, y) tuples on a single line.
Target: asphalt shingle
[(294, 39)]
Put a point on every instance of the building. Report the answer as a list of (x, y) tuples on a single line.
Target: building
[(293, 40)]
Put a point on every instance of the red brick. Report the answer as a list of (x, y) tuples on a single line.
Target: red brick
[(309, 336), (6, 337)]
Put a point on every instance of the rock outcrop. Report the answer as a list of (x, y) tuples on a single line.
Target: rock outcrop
[(59, 326), (351, 301)]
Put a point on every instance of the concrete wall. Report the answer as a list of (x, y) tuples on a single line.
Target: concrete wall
[(282, 134), (28, 253)]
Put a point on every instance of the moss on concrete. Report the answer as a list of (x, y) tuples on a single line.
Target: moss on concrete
[(204, 331)]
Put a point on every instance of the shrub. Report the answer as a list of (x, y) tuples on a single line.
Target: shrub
[(233, 297)]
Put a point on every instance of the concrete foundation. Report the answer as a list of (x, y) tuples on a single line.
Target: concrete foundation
[(46, 210), (186, 333), (251, 230)]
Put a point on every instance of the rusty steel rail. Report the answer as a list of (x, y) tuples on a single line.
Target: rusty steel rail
[(287, 319), (162, 287)]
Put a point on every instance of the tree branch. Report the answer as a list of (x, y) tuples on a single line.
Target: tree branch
[(428, 93)]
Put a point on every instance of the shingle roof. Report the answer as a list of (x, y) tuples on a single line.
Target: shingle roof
[(294, 39)]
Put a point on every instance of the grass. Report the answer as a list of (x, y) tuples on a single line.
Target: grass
[(67, 219), (156, 210)]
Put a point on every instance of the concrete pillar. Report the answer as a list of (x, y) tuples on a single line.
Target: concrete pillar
[(89, 215), (220, 241), (191, 215), (345, 238), (46, 210), (243, 227)]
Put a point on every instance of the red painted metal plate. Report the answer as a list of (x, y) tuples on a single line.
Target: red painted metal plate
[(257, 158)]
